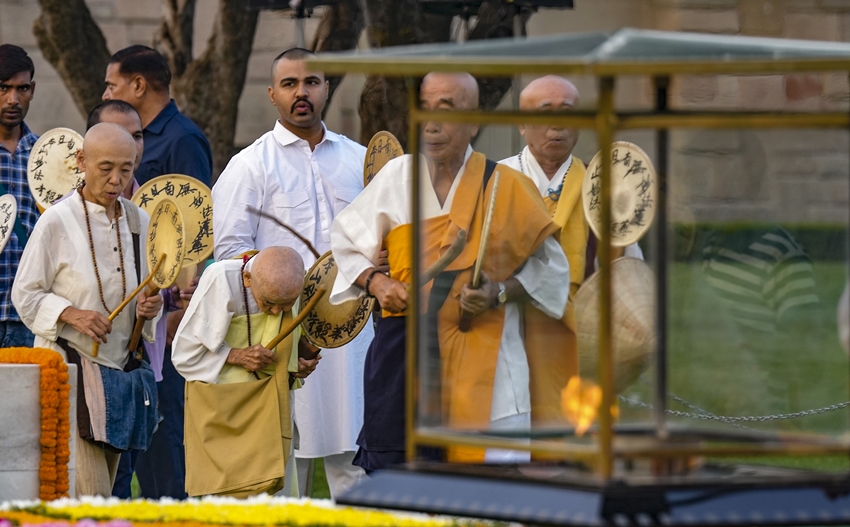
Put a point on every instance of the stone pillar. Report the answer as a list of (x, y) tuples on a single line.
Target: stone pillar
[(20, 431)]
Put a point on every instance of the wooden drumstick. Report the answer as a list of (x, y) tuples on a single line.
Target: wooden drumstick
[(320, 292), (140, 323), (475, 282), (130, 297), (446, 259), (295, 233)]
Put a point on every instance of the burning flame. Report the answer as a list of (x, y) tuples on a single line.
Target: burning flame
[(580, 402)]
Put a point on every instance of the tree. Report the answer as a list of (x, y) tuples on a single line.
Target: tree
[(207, 89)]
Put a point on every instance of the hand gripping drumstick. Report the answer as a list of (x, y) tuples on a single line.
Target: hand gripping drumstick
[(127, 300), (474, 283)]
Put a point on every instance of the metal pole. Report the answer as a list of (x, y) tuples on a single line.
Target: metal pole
[(605, 126), (300, 38), (661, 85), (412, 344)]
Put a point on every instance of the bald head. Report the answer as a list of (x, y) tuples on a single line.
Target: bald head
[(460, 90), (108, 158), (548, 92), (276, 279), (550, 145)]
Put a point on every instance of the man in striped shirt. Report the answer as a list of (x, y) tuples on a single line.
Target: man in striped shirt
[(16, 140)]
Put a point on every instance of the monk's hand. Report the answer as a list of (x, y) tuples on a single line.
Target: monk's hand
[(477, 301), (384, 261), (390, 293), (186, 294), (148, 307), (252, 359), (307, 366), (89, 323)]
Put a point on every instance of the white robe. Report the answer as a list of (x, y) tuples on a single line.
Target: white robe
[(305, 189), (357, 237), (531, 168), (57, 272), (199, 351)]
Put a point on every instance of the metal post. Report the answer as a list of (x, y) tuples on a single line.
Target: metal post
[(661, 85), (413, 303), (605, 126), (300, 38)]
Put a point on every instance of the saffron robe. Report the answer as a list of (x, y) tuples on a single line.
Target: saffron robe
[(380, 217)]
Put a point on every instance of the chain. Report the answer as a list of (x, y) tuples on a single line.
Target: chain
[(733, 420)]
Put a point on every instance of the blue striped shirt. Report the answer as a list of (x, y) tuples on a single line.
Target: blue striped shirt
[(13, 176)]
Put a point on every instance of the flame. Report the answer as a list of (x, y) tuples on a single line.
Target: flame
[(580, 402)]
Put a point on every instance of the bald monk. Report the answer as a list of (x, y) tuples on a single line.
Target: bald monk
[(479, 378), (549, 162), (238, 433), (84, 257)]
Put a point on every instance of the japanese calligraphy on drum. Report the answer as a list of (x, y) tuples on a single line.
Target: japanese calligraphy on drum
[(327, 325), (195, 202), (382, 147), (8, 215), (633, 193), (166, 238), (52, 169)]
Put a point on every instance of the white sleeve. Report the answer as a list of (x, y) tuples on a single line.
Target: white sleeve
[(634, 251), (359, 230), (199, 351), (546, 278), (38, 308), (234, 229)]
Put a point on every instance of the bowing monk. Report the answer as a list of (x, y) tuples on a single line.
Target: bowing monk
[(238, 435), (483, 372), (548, 161)]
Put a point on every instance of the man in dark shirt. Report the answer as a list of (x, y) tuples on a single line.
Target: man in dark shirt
[(173, 144), (16, 140)]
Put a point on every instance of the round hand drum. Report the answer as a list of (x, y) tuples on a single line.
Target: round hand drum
[(382, 147), (633, 193), (52, 170), (327, 325), (195, 202), (8, 215)]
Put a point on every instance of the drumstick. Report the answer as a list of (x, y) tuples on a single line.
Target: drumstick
[(137, 329), (304, 240), (446, 259), (320, 292), (474, 283), (131, 296)]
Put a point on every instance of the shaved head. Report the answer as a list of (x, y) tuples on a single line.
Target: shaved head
[(548, 91), (108, 158), (462, 88), (276, 279), (551, 145)]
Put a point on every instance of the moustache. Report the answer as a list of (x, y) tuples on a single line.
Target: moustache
[(292, 110), (14, 108)]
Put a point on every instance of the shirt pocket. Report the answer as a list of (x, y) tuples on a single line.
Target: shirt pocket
[(295, 210), (343, 198)]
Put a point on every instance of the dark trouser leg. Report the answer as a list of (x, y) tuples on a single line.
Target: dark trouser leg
[(124, 477), (15, 335), (162, 469)]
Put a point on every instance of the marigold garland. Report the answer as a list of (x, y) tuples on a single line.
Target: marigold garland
[(55, 419), (207, 512)]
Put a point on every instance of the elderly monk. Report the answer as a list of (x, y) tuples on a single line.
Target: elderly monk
[(84, 257), (484, 372), (549, 162), (238, 433)]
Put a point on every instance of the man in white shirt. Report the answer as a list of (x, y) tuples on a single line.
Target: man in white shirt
[(482, 373), (303, 174), (549, 162)]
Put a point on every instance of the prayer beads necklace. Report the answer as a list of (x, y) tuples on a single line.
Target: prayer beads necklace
[(94, 259), (554, 194), (245, 296)]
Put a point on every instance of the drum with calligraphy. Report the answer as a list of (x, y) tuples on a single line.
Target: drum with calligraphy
[(195, 203), (382, 147), (633, 193), (327, 325), (52, 170), (8, 215)]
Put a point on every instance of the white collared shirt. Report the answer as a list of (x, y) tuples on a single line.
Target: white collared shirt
[(280, 175)]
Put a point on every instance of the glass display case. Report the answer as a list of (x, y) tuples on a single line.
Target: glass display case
[(696, 375)]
